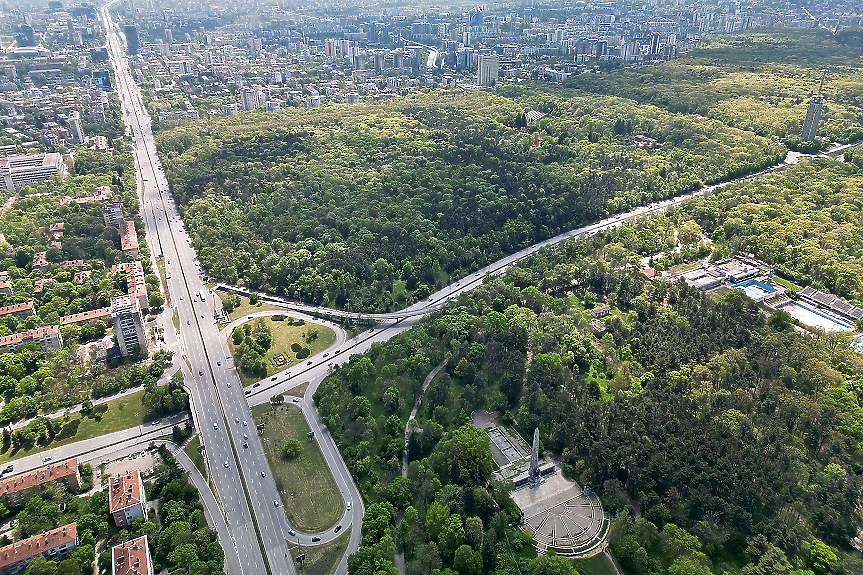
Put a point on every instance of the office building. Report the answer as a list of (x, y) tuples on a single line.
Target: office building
[(18, 172), (46, 337), (126, 498), (813, 118), (54, 545), (132, 42), (76, 127), (128, 325), (487, 69), (180, 67), (132, 558), (102, 79), (112, 213), (128, 239), (17, 489)]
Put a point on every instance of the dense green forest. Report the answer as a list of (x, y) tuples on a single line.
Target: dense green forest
[(759, 81), (359, 206), (720, 439)]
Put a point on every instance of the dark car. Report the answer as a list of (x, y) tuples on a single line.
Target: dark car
[(257, 385), (337, 529), (315, 539)]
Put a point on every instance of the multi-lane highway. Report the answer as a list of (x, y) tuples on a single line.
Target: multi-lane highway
[(259, 531), (246, 491)]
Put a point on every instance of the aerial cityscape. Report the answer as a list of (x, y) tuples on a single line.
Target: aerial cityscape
[(398, 288)]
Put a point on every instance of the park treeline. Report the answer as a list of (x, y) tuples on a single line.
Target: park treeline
[(719, 439), (759, 81), (370, 207)]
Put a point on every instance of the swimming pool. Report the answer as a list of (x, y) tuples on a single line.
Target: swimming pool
[(755, 289), (812, 318)]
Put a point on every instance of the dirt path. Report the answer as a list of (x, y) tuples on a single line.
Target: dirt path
[(408, 430)]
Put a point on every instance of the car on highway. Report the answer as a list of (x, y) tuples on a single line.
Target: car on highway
[(257, 385), (273, 378), (226, 463), (315, 539), (229, 384), (292, 532), (296, 400), (275, 503), (47, 459), (349, 506), (338, 351), (263, 474), (155, 422), (215, 425), (337, 529), (237, 419), (8, 469), (200, 372), (247, 392), (245, 424), (326, 354), (219, 363), (310, 362), (245, 445), (188, 321)]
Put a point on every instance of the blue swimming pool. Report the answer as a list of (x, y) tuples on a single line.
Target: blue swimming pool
[(755, 289)]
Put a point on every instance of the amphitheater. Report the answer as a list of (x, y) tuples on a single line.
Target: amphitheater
[(563, 518), (559, 514)]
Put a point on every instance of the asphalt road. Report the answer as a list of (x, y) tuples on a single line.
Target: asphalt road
[(221, 412), (240, 474)]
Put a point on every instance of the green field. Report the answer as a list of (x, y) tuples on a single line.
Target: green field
[(596, 565), (245, 307), (192, 451), (120, 415), (322, 559), (309, 495), (283, 336)]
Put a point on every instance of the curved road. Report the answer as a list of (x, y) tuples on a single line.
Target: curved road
[(259, 530)]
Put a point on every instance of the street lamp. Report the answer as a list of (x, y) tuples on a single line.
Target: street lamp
[(140, 429)]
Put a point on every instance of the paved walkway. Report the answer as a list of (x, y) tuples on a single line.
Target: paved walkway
[(409, 428)]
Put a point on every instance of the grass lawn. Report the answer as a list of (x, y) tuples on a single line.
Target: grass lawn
[(596, 565), (299, 390), (120, 415), (322, 559), (309, 495), (192, 451), (245, 307), (283, 336)]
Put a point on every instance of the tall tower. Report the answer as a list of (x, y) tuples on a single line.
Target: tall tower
[(487, 69), (813, 114), (128, 325), (533, 472)]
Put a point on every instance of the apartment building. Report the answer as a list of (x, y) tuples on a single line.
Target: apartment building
[(46, 337), (54, 545), (91, 316), (128, 239), (17, 489), (112, 214), (136, 286), (128, 325), (126, 498), (132, 558), (40, 261), (19, 310)]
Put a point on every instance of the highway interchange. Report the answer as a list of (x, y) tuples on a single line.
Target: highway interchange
[(258, 529)]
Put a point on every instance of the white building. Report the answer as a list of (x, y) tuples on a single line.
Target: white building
[(76, 127), (251, 99), (18, 172), (487, 69)]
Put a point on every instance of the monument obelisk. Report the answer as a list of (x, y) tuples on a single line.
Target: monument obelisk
[(533, 472)]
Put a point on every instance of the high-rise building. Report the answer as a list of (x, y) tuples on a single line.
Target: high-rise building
[(97, 112), (112, 213), (26, 36), (487, 69), (250, 98), (654, 43), (256, 45), (76, 127), (475, 19), (132, 42), (128, 325)]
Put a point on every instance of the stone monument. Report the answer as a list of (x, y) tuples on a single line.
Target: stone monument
[(533, 472)]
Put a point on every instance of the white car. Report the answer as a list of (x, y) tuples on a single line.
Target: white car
[(349, 506), (226, 463)]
